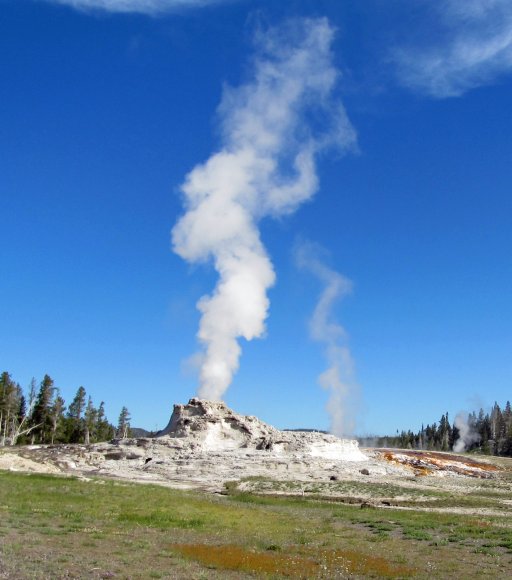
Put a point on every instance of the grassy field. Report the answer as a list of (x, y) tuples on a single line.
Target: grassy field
[(56, 527)]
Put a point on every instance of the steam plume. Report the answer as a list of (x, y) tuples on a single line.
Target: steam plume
[(338, 378), (273, 127), (467, 434)]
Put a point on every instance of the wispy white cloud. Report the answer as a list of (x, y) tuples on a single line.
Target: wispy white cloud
[(469, 45), (140, 6), (339, 377)]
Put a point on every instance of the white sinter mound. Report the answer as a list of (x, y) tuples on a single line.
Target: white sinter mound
[(207, 446), (212, 426)]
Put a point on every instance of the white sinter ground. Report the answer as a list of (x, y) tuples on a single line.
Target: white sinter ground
[(206, 445)]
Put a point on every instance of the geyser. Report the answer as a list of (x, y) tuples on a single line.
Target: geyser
[(273, 127)]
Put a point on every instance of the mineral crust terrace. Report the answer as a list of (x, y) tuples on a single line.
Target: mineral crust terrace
[(213, 427), (206, 444)]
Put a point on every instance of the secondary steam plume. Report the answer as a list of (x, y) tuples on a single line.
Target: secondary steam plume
[(467, 433), (339, 377), (273, 127)]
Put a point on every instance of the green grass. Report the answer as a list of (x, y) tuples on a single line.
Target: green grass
[(357, 491), (54, 527)]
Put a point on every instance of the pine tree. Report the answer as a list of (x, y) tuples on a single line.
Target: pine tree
[(77, 406), (22, 407), (75, 411), (497, 428), (32, 393), (56, 414), (508, 412), (507, 445), (42, 409), (444, 433), (89, 421), (104, 430), (123, 425), (9, 407), (507, 419)]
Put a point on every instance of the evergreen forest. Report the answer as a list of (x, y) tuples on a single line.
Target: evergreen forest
[(41, 415), (488, 433)]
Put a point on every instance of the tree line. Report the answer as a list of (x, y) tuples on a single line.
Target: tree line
[(487, 433), (41, 415)]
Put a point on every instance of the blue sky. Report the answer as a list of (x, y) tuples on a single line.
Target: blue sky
[(107, 106)]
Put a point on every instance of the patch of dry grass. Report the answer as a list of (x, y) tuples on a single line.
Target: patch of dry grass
[(324, 563)]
